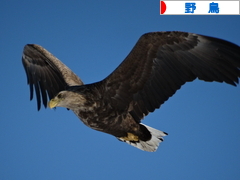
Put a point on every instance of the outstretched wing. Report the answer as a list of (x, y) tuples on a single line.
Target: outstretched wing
[(161, 62), (47, 74)]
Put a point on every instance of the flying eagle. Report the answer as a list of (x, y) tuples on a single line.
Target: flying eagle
[(157, 66)]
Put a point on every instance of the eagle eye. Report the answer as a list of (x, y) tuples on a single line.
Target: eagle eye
[(59, 95)]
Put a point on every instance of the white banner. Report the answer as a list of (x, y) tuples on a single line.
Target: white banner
[(199, 7)]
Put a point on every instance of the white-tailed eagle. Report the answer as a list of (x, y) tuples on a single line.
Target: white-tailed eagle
[(157, 66)]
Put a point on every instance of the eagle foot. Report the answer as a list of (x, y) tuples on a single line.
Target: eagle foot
[(130, 137)]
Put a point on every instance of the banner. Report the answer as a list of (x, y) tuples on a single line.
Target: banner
[(168, 7)]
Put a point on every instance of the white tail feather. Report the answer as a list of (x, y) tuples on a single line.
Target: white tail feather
[(150, 145)]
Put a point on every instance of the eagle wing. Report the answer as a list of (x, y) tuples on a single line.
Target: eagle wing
[(46, 74), (161, 62)]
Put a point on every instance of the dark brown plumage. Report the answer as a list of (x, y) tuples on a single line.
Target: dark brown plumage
[(158, 65)]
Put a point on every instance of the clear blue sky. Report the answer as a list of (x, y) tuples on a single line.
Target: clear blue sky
[(92, 38)]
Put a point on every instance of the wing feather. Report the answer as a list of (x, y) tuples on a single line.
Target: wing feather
[(161, 62), (46, 74)]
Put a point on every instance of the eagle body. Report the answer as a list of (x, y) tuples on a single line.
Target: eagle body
[(88, 103), (157, 66)]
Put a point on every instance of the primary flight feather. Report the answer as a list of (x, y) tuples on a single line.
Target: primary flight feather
[(157, 66)]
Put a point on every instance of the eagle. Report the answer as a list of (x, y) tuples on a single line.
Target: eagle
[(157, 66)]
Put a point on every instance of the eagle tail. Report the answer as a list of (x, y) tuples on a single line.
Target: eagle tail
[(150, 145)]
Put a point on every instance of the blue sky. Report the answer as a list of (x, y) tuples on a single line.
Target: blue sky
[(92, 38)]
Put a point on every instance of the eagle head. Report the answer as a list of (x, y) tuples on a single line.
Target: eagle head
[(68, 99)]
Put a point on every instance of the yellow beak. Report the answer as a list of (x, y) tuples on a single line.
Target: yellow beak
[(53, 103)]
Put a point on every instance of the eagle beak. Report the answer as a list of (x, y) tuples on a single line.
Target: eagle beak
[(53, 103)]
